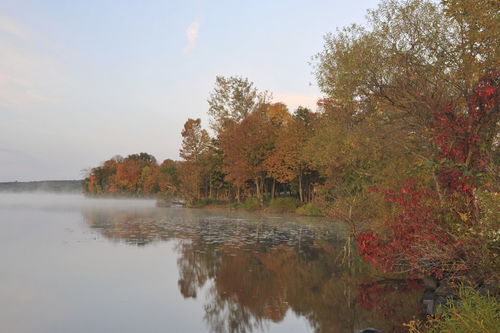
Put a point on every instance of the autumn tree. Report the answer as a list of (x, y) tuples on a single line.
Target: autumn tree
[(246, 146), (149, 179), (214, 183), (410, 60), (194, 140), (232, 99), (476, 23), (287, 162), (168, 179)]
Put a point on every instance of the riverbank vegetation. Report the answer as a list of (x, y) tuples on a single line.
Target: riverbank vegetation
[(475, 313), (404, 145)]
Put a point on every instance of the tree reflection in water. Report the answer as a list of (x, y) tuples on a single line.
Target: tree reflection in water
[(256, 269)]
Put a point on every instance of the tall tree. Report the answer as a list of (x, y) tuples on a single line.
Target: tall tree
[(409, 61), (191, 173), (232, 99), (194, 140)]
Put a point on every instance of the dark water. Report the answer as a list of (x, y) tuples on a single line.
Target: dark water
[(69, 264)]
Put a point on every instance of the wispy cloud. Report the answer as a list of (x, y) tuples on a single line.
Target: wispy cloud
[(192, 36)]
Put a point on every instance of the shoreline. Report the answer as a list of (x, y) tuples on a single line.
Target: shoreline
[(262, 210)]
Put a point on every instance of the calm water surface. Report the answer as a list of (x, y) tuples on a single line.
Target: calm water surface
[(69, 264)]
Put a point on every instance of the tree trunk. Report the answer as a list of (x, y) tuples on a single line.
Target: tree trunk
[(210, 188), (300, 187), (273, 189)]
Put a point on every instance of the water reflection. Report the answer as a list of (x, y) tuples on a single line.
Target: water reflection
[(253, 270)]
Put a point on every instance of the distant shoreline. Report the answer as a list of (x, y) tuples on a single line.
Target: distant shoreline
[(53, 186)]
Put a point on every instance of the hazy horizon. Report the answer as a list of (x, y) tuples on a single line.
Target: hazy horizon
[(81, 82)]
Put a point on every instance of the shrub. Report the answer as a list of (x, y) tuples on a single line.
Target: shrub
[(309, 209), (473, 313), (251, 204), (283, 205), (205, 202), (198, 203), (235, 205)]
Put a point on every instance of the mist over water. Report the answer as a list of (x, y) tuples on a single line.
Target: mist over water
[(61, 201), (74, 264)]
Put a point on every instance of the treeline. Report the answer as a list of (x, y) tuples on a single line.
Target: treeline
[(405, 141), (134, 175)]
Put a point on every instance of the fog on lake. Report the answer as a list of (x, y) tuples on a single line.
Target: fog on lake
[(71, 264)]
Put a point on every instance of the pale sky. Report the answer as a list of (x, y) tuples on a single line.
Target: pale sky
[(82, 81)]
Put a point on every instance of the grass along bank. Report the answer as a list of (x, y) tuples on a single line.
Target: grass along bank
[(282, 205)]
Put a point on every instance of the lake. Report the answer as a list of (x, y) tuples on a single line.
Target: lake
[(70, 264)]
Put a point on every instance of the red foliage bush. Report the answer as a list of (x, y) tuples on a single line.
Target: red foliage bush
[(420, 236)]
